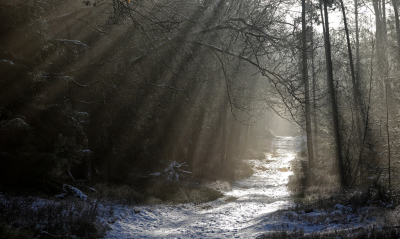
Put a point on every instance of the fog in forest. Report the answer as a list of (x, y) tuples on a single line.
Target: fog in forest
[(175, 102)]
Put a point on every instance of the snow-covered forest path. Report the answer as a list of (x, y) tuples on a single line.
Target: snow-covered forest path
[(241, 213)]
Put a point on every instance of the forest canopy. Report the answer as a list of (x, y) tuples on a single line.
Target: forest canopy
[(115, 90)]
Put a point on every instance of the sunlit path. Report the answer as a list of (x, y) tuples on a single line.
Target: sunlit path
[(239, 214)]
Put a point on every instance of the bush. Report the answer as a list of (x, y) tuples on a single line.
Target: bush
[(37, 151)]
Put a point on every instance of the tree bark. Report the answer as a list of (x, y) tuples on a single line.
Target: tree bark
[(388, 132), (353, 76), (397, 21), (314, 86), (306, 87), (334, 106), (358, 66)]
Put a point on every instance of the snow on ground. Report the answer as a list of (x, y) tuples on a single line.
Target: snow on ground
[(322, 221), (239, 214), (248, 209)]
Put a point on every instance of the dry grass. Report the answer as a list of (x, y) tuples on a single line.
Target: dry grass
[(355, 233), (158, 191), (321, 184), (261, 168), (171, 192), (284, 169), (176, 193), (122, 194), (22, 217), (231, 199), (321, 194), (38, 218), (387, 218)]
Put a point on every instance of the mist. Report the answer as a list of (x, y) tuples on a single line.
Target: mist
[(275, 105)]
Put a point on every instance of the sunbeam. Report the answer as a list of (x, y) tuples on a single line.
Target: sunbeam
[(198, 118)]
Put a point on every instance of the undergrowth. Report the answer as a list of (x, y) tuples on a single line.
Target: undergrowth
[(159, 190), (322, 195), (27, 217), (324, 192), (371, 204), (156, 192), (122, 194), (42, 216), (357, 233), (175, 193)]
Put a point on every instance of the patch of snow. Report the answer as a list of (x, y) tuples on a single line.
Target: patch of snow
[(74, 191), (7, 61), (61, 195), (172, 171), (337, 212), (87, 151), (75, 42), (343, 208)]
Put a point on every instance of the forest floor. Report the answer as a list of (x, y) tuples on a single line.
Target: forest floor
[(248, 209), (241, 213), (259, 206)]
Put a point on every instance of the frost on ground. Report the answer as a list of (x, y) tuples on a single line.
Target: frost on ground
[(249, 209), (244, 212), (338, 218), (34, 217)]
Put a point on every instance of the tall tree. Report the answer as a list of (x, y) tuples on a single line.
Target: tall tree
[(314, 88), (356, 94), (332, 93), (397, 21), (306, 86)]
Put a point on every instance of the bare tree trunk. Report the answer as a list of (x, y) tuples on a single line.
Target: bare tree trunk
[(381, 36), (353, 76), (387, 130), (306, 87), (397, 21), (314, 86), (358, 65), (383, 63), (331, 88), (384, 21)]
